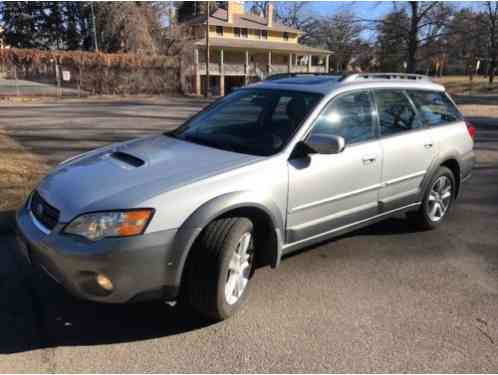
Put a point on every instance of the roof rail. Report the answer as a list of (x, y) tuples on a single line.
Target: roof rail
[(304, 74), (387, 76)]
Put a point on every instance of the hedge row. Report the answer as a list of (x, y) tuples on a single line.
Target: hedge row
[(95, 73), (33, 57)]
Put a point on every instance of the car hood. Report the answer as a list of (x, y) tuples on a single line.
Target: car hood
[(124, 175)]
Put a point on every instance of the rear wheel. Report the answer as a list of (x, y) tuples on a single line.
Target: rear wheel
[(220, 269), (438, 200)]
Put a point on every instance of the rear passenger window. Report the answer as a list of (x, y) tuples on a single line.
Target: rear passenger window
[(396, 113), (435, 107), (349, 116)]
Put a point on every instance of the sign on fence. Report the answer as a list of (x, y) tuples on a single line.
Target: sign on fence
[(66, 75)]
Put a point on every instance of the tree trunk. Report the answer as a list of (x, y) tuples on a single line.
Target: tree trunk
[(492, 69), (413, 38), (493, 31)]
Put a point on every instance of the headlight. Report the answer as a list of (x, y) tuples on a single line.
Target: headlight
[(95, 226)]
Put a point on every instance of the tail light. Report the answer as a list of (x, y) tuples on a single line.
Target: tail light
[(471, 129)]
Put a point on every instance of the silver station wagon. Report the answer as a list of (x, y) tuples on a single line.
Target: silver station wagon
[(269, 169)]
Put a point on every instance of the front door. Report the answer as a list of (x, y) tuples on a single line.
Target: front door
[(327, 192), (407, 147)]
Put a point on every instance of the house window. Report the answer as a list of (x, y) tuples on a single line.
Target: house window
[(286, 37), (236, 32), (264, 34), (244, 33), (219, 30)]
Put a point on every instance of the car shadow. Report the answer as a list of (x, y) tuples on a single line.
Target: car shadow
[(36, 312), (392, 226)]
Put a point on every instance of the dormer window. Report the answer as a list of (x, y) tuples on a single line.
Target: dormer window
[(219, 30), (286, 37)]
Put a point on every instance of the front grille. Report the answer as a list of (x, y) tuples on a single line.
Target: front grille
[(44, 212)]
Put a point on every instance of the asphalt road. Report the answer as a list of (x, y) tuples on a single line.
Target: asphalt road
[(385, 298)]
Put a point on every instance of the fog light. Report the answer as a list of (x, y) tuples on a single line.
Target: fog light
[(104, 282)]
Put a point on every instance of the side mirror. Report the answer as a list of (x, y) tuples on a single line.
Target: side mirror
[(325, 144)]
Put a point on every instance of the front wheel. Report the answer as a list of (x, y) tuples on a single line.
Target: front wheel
[(220, 270), (438, 200)]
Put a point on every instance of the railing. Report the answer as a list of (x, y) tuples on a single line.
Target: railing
[(258, 70), (214, 68), (276, 69), (238, 69)]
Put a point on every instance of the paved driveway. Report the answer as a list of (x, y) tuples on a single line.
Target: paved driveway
[(385, 298)]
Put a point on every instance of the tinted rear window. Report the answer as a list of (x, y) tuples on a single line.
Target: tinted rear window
[(396, 114), (435, 108)]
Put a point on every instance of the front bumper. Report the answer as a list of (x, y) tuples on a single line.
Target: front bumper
[(140, 267)]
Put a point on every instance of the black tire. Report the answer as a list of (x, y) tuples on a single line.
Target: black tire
[(421, 218), (208, 267)]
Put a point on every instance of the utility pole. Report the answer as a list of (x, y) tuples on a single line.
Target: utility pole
[(206, 92), (94, 27)]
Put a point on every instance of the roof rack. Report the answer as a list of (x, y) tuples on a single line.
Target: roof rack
[(387, 76), (292, 75)]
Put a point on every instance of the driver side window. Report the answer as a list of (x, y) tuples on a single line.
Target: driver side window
[(349, 116)]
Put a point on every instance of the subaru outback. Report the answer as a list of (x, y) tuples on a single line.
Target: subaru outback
[(273, 167)]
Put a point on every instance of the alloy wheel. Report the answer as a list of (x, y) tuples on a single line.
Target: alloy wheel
[(439, 198), (239, 269)]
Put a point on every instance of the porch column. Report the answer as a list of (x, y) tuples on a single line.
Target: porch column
[(309, 63), (222, 74), (246, 69), (327, 64), (290, 63), (269, 62), (197, 73)]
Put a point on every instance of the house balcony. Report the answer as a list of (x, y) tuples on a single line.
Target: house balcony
[(258, 70)]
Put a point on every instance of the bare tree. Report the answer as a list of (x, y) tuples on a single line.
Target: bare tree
[(426, 24), (259, 8), (293, 13), (464, 43), (129, 26), (491, 24), (338, 33), (391, 43), (290, 13)]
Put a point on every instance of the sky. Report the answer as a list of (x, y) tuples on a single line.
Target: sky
[(364, 9)]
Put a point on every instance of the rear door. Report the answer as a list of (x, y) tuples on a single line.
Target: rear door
[(407, 146)]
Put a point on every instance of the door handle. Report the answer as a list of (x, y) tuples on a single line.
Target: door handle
[(428, 145), (369, 159)]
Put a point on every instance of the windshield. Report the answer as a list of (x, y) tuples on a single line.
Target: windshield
[(250, 121)]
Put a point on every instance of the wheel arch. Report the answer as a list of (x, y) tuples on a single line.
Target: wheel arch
[(264, 213), (452, 163), (454, 166)]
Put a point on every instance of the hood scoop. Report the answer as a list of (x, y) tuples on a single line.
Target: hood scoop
[(127, 158)]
